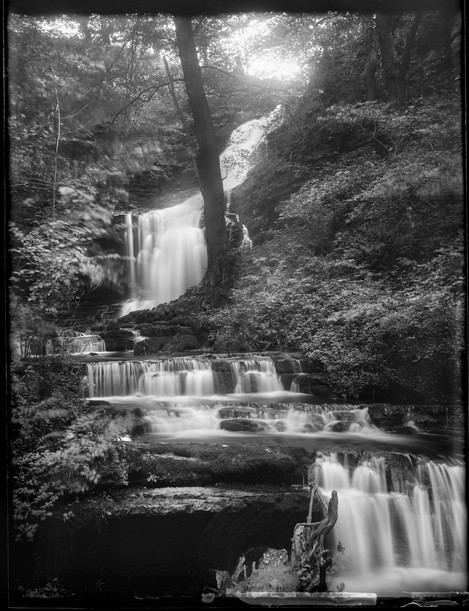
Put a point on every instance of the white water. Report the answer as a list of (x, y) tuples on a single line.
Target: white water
[(172, 254), (254, 375), (170, 244), (187, 385), (413, 536)]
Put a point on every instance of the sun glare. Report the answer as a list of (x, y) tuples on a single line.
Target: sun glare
[(265, 66)]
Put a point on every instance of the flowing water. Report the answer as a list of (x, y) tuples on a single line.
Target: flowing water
[(399, 534), (402, 514), (172, 254), (167, 253), (403, 527)]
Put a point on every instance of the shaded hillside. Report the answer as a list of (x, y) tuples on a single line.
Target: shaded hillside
[(359, 247)]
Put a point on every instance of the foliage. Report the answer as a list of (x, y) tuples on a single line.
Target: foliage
[(364, 271), (59, 446)]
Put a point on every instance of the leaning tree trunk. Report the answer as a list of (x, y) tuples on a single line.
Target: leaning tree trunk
[(208, 162), (309, 558)]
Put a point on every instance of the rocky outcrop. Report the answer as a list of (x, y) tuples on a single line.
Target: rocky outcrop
[(117, 339), (189, 463), (150, 345), (192, 499), (402, 418), (244, 424)]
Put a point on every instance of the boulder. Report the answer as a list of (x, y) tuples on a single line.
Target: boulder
[(243, 425), (284, 363), (118, 339), (387, 417), (235, 411), (151, 345)]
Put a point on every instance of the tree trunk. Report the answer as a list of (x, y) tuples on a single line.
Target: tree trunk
[(208, 162), (388, 55), (371, 62), (182, 118), (395, 70)]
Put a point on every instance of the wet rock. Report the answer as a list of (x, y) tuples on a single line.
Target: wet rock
[(284, 363), (244, 425), (118, 339), (98, 403), (235, 411), (222, 376), (340, 426), (151, 345)]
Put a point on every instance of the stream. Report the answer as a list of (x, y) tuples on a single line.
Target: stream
[(402, 514)]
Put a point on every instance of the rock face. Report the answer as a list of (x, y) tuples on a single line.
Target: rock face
[(151, 345), (118, 339), (185, 463), (191, 500), (152, 541), (401, 418)]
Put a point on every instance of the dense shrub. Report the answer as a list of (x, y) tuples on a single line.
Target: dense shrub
[(364, 271), (59, 446)]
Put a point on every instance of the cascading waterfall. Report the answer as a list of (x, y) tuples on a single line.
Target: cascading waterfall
[(172, 254), (169, 255), (402, 519), (403, 529), (165, 377), (295, 385), (188, 385), (254, 375), (398, 534)]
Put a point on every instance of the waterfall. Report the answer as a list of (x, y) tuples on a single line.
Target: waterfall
[(295, 385), (239, 156), (165, 377), (255, 375), (172, 255), (84, 344), (169, 254), (417, 529)]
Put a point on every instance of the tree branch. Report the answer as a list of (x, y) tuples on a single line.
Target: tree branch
[(154, 88)]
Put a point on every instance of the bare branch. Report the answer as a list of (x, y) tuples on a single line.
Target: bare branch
[(154, 89)]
